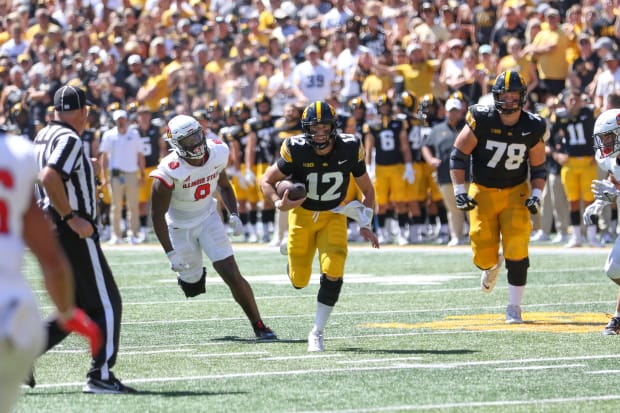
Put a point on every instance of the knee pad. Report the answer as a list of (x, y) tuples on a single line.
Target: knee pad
[(329, 291), (194, 289), (517, 271)]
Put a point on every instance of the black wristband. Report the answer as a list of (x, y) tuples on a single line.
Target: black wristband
[(70, 215)]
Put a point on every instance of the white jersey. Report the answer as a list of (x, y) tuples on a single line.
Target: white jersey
[(192, 186), (315, 82), (18, 172)]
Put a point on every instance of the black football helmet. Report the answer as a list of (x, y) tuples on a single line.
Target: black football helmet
[(408, 103), (509, 81), (356, 103), (383, 101), (239, 109), (428, 107), (318, 113), (262, 109)]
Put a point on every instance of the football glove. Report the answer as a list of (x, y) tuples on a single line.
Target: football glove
[(235, 224), (176, 261), (465, 203), (592, 210), (250, 178), (357, 212), (533, 204), (409, 174), (81, 324), (604, 190)]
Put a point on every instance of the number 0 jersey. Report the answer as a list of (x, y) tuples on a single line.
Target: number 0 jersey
[(326, 177), (192, 186), (500, 159)]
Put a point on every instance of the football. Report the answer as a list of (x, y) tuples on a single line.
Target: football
[(296, 190)]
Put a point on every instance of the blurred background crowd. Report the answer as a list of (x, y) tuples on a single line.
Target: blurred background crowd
[(219, 60)]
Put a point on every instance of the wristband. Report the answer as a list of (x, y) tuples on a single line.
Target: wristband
[(70, 215), (536, 192), (278, 203)]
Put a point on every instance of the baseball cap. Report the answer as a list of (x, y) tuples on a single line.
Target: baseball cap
[(134, 59), (485, 49), (69, 98), (453, 104), (311, 49), (413, 46), (119, 113), (605, 42)]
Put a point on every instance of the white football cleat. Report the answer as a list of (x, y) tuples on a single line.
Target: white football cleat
[(513, 314), (315, 341), (489, 277)]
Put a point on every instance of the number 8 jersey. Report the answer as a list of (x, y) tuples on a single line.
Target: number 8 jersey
[(326, 177), (499, 160), (193, 186)]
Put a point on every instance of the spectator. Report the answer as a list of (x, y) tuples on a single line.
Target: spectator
[(508, 26), (608, 81), (585, 66), (123, 156), (312, 79)]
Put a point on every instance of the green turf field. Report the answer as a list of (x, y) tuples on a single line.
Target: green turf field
[(412, 332)]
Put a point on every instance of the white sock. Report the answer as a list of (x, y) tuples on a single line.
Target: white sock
[(322, 314), (617, 314), (515, 294)]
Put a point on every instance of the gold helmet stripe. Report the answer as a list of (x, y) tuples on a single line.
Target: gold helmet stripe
[(507, 81), (318, 111)]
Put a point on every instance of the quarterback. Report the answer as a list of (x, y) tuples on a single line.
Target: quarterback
[(185, 218), (506, 145), (323, 160)]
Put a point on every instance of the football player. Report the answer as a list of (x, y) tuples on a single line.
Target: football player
[(323, 160), (260, 150), (506, 145), (185, 218), (607, 145), (394, 167), (572, 126)]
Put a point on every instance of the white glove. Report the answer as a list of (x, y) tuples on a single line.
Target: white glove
[(594, 209), (176, 261), (243, 184), (235, 224), (250, 178), (604, 190), (370, 169), (357, 212), (409, 174)]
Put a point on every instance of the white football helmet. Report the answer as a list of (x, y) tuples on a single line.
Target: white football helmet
[(186, 137), (607, 133)]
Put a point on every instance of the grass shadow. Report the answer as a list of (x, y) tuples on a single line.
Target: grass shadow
[(406, 352)]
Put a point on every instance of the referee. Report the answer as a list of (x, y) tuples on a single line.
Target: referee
[(67, 194)]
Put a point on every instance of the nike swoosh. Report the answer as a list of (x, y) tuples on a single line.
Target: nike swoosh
[(341, 162), (525, 133)]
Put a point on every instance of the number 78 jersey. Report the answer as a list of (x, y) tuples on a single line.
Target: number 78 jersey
[(326, 177), (500, 158)]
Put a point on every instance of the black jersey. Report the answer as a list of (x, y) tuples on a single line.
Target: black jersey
[(500, 158), (150, 143), (575, 133), (387, 140), (326, 177), (236, 133), (89, 136), (265, 147), (415, 136)]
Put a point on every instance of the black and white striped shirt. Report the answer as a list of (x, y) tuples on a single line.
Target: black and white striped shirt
[(59, 146)]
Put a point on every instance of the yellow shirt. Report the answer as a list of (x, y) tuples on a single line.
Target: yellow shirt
[(523, 65), (552, 65), (374, 87), (160, 83), (418, 77)]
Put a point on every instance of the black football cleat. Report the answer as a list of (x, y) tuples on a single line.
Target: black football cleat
[(263, 332)]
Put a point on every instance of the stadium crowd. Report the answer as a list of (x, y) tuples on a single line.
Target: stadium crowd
[(246, 69)]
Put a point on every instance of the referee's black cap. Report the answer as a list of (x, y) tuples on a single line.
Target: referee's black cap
[(70, 98)]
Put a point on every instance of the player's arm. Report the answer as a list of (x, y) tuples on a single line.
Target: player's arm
[(538, 170), (56, 269), (227, 194), (268, 181), (160, 202), (57, 276), (463, 147)]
